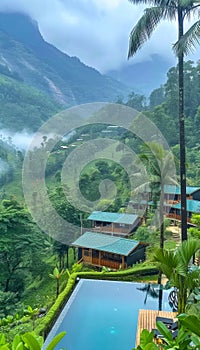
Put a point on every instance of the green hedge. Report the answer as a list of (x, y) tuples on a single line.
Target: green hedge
[(47, 322), (137, 270)]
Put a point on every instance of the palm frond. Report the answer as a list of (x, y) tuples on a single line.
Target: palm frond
[(144, 29), (147, 24), (166, 262), (163, 3), (188, 41), (141, 188), (186, 251)]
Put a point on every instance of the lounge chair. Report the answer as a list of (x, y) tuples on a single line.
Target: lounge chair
[(173, 327), (174, 334), (167, 321), (157, 334)]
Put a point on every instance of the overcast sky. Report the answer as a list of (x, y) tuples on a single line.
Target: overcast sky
[(96, 31)]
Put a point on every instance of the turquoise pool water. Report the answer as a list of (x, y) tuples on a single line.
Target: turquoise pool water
[(102, 315)]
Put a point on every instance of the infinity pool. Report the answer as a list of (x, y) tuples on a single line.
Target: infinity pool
[(102, 315)]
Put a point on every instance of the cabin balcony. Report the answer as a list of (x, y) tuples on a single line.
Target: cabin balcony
[(177, 217), (114, 265), (119, 231), (172, 202)]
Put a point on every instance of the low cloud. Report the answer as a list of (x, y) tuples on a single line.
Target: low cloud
[(19, 140)]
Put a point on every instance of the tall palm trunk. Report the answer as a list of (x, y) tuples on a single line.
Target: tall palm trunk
[(162, 226), (182, 132)]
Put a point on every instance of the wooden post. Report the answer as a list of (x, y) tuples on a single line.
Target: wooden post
[(123, 263)]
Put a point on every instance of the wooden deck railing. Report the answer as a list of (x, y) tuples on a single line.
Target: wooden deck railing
[(170, 201), (109, 229), (176, 217), (115, 265)]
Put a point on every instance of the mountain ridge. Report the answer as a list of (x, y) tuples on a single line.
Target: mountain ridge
[(143, 77), (38, 63)]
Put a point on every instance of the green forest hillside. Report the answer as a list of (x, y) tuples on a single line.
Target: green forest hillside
[(22, 106)]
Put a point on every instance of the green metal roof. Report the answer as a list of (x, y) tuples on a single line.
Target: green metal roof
[(106, 243), (158, 203), (113, 217), (172, 189), (192, 206)]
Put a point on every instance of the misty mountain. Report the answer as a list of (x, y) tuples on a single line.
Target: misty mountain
[(27, 57), (143, 77)]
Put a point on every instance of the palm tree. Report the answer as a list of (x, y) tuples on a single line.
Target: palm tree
[(160, 168), (56, 275), (171, 10), (175, 265)]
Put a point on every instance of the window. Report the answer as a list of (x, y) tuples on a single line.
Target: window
[(86, 252)]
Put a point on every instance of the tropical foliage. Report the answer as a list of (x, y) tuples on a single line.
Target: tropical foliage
[(176, 267), (29, 341), (188, 336)]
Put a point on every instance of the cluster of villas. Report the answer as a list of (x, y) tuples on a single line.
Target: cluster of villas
[(172, 202), (108, 243)]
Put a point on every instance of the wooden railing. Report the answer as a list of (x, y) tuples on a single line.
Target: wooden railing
[(176, 217), (109, 229), (115, 265), (170, 201), (110, 263)]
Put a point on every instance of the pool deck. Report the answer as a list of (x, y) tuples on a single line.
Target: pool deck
[(147, 320)]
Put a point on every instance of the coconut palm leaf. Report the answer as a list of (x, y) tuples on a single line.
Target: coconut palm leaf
[(189, 40), (186, 251), (166, 262), (164, 3), (144, 28), (175, 265)]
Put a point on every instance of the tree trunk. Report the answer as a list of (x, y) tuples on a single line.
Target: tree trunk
[(182, 134), (162, 226), (6, 289), (57, 287), (160, 298)]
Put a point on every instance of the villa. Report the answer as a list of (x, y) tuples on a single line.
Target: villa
[(100, 250), (172, 203), (116, 224), (193, 207)]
